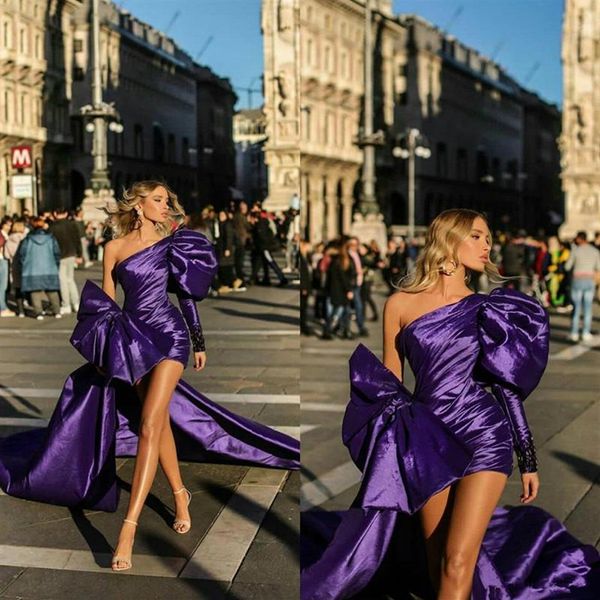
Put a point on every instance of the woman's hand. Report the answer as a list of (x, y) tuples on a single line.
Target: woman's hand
[(531, 485), (199, 360)]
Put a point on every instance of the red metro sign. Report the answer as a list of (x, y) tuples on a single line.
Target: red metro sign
[(21, 157)]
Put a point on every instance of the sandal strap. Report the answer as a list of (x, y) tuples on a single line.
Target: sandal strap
[(181, 490), (130, 521)]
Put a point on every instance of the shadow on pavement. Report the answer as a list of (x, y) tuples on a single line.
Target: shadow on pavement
[(272, 318), (96, 541), (271, 522), (584, 468), (258, 302), (21, 400)]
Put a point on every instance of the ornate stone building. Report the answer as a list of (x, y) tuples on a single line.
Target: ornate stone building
[(483, 129), (493, 143), (580, 142), (332, 88), (36, 41), (177, 115), (249, 136), (280, 24)]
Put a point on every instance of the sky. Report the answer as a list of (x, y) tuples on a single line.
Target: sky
[(519, 33)]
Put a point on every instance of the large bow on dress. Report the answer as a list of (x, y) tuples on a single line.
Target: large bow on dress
[(112, 339), (405, 452)]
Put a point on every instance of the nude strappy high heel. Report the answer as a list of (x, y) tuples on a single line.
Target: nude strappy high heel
[(185, 524), (120, 559)]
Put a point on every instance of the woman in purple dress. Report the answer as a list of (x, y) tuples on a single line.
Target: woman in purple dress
[(435, 462), (129, 400)]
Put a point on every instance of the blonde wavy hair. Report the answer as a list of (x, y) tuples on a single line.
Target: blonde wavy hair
[(444, 235), (123, 219)]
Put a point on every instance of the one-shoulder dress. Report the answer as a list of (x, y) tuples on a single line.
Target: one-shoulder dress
[(410, 446), (96, 419)]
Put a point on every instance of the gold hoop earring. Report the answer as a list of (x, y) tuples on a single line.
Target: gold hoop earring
[(446, 271)]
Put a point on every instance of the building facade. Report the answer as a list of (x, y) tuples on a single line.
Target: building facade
[(280, 25), (580, 141), (36, 41), (249, 136), (177, 115), (215, 100), (483, 130), (482, 127)]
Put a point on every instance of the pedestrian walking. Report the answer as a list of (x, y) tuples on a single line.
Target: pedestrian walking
[(357, 303), (225, 251), (5, 226), (39, 257), (11, 251), (68, 236), (340, 286), (243, 239), (584, 264), (85, 243), (265, 243)]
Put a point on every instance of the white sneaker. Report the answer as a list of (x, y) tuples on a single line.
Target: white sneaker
[(58, 316), (586, 337), (40, 317), (7, 313), (65, 310), (573, 337)]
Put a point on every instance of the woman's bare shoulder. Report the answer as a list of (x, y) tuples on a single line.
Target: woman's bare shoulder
[(399, 300)]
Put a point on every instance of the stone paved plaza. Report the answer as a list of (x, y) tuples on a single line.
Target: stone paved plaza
[(244, 536)]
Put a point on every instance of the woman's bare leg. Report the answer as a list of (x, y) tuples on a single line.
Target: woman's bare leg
[(167, 457), (475, 498), (434, 517), (155, 411)]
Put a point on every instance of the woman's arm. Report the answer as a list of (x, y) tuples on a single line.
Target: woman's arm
[(109, 284), (192, 318), (391, 326)]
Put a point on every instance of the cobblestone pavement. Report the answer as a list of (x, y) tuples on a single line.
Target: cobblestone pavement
[(243, 541)]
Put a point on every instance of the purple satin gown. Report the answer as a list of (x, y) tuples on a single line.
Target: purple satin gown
[(410, 446), (72, 461)]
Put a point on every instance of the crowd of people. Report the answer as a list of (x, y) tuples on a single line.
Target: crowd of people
[(337, 278), (39, 254), (243, 231)]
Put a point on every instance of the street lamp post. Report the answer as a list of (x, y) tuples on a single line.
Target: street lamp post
[(409, 145), (368, 221), (99, 117)]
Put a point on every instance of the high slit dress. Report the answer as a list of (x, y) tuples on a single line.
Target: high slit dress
[(475, 361), (72, 461)]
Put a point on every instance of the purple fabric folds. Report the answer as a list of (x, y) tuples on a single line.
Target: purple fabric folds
[(96, 419), (405, 451), (111, 339), (411, 445)]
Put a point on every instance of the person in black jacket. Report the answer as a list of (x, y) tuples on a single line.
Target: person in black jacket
[(265, 242), (340, 283), (67, 235), (225, 252)]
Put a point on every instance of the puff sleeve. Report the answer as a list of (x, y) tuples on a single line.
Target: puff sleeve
[(192, 267), (514, 340)]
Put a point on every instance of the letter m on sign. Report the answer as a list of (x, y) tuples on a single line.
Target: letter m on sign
[(21, 157)]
